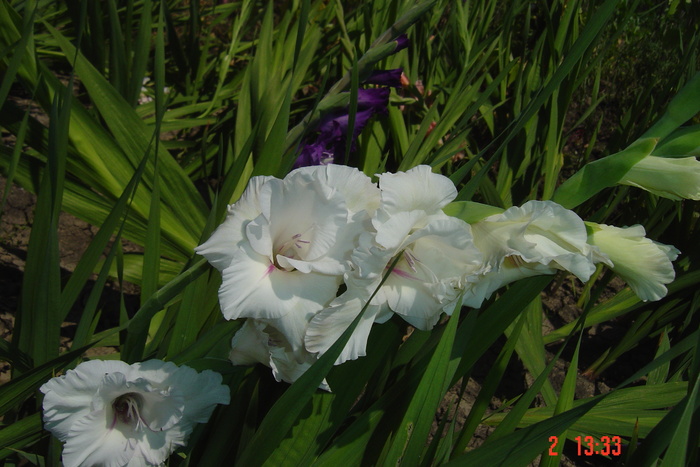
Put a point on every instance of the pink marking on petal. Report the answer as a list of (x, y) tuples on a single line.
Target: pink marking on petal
[(403, 274), (270, 268)]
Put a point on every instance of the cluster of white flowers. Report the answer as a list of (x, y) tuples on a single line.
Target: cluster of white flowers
[(113, 414), (301, 257)]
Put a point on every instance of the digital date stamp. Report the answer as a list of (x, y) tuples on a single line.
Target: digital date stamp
[(589, 446)]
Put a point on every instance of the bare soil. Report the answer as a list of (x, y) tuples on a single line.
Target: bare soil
[(74, 237)]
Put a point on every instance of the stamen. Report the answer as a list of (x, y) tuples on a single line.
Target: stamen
[(403, 274), (515, 260), (287, 248), (295, 240), (127, 410), (411, 260)]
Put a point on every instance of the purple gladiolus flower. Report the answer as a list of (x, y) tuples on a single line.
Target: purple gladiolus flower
[(329, 145), (331, 133), (386, 78)]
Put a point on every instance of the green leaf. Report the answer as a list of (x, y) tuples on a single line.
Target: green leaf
[(565, 401), (681, 446), (469, 211), (603, 173), (39, 320), (409, 437), (660, 374), (531, 349), (313, 431), (684, 106), (617, 413), (494, 320), (180, 198), (138, 326), (287, 409), (18, 389), (522, 446), (488, 388), (192, 312), (22, 433), (20, 49)]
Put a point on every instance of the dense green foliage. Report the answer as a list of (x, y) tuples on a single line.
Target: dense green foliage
[(159, 114)]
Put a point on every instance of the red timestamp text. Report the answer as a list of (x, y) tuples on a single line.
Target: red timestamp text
[(590, 446)]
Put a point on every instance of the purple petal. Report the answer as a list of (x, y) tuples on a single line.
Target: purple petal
[(385, 78), (362, 117), (333, 128), (337, 128), (329, 146), (376, 99), (314, 154), (401, 42)]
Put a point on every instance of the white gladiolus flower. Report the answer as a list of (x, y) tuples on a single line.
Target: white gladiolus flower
[(670, 177), (112, 414), (437, 254), (285, 245), (436, 258), (259, 342), (643, 263), (538, 238)]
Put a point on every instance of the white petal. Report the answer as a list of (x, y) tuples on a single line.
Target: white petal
[(92, 442), (292, 326), (156, 446), (436, 263), (257, 342), (357, 188), (287, 368), (155, 371), (160, 409), (369, 260), (446, 247), (392, 233), (413, 300), (250, 344), (249, 205), (644, 264), (338, 259), (254, 288), (257, 235), (418, 189), (304, 206), (480, 290), (328, 325), (320, 215), (202, 391), (538, 232), (131, 415), (671, 177), (219, 248), (68, 398)]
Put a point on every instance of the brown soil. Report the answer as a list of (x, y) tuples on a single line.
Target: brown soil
[(74, 237)]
